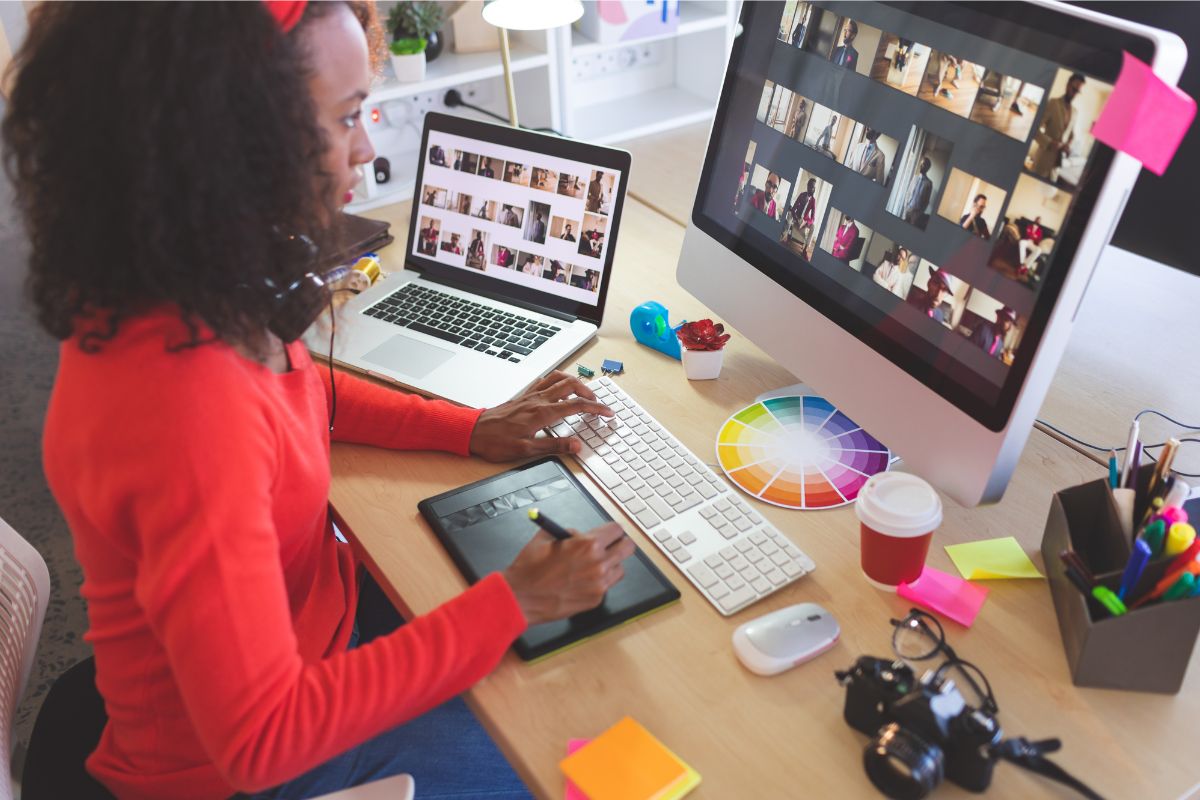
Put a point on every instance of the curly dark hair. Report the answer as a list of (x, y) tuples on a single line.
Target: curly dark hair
[(163, 153)]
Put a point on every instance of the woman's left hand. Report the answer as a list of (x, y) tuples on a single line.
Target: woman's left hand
[(509, 431)]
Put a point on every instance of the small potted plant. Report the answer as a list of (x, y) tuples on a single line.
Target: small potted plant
[(420, 19), (703, 348), (408, 59)]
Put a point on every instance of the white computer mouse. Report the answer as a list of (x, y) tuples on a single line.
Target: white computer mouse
[(782, 639)]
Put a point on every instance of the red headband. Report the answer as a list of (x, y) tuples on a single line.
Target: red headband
[(286, 12)]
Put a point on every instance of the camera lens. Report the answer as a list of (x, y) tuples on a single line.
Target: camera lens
[(902, 765)]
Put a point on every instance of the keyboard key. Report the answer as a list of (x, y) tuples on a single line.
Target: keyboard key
[(635, 506), (624, 494), (719, 591), (602, 471), (428, 330), (760, 585), (744, 545), (792, 569), (660, 507), (776, 577), (704, 576), (723, 569), (682, 555), (647, 518), (662, 535), (687, 537)]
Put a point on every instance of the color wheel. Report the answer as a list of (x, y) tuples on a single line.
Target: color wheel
[(798, 452)]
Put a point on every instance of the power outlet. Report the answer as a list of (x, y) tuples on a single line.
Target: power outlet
[(409, 112), (615, 60)]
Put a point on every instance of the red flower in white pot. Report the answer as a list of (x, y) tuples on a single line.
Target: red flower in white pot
[(703, 347)]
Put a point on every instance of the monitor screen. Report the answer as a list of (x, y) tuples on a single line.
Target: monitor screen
[(921, 174), (532, 219)]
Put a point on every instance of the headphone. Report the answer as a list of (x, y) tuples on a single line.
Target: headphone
[(296, 306)]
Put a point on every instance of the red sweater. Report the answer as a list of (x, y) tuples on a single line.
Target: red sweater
[(195, 484)]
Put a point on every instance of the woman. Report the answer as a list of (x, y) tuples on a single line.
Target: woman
[(187, 444), (475, 251), (893, 272)]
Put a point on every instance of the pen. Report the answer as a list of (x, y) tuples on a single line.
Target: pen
[(1153, 536), (1074, 577), (1163, 586), (1133, 570), (1163, 468), (1135, 464), (1180, 537), (1183, 558), (1181, 588), (1114, 473), (548, 525), (1109, 600), (1133, 440), (1072, 560)]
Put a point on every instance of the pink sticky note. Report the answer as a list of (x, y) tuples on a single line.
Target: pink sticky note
[(948, 595), (1145, 117), (573, 792)]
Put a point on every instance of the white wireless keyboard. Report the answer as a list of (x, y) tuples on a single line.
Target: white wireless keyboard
[(725, 548)]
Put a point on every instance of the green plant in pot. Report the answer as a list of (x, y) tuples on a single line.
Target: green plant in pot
[(408, 59), (420, 19)]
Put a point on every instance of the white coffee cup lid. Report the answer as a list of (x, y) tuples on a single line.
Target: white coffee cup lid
[(898, 504)]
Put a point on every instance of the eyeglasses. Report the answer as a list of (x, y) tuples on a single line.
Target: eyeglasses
[(920, 637)]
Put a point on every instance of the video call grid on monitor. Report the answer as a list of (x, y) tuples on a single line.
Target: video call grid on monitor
[(994, 125), (535, 220)]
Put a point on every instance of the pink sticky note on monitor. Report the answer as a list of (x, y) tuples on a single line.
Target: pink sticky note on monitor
[(948, 595), (573, 792), (1145, 117)]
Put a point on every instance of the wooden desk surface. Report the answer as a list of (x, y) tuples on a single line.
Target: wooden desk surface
[(753, 737)]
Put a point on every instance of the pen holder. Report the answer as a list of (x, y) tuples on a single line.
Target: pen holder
[(1146, 649)]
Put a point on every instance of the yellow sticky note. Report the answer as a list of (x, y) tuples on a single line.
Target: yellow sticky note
[(992, 559), (626, 762)]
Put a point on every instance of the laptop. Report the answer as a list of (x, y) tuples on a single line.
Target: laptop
[(507, 268)]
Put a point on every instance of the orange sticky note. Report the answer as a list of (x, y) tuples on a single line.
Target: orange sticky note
[(626, 762)]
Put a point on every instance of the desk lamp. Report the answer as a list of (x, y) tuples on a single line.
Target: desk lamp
[(526, 15)]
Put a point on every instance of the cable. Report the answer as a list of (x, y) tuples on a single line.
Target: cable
[(332, 383), (454, 98), (1121, 448)]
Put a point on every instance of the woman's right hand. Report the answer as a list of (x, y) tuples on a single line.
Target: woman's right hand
[(554, 579)]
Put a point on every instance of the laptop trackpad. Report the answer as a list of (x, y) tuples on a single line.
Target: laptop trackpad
[(408, 356)]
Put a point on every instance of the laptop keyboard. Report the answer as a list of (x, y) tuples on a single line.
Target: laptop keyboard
[(463, 322)]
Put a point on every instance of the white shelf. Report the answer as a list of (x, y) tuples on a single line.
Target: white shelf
[(640, 115), (693, 18), (455, 69)]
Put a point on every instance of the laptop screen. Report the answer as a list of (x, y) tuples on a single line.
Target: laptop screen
[(543, 222), (920, 173)]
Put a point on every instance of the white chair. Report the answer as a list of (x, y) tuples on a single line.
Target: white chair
[(24, 595)]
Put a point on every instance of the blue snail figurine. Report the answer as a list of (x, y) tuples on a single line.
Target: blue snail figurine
[(650, 327)]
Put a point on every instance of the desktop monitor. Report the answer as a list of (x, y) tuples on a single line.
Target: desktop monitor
[(902, 203)]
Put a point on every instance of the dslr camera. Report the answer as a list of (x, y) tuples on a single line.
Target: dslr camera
[(923, 732)]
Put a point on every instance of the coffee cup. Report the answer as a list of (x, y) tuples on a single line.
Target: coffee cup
[(898, 514)]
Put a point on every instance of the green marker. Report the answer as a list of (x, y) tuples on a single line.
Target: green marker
[(1153, 536), (1181, 588), (1109, 600)]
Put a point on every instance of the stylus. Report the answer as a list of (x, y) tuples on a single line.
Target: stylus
[(548, 525)]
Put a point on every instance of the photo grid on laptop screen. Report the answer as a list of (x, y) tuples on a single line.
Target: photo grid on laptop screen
[(927, 171), (535, 220)]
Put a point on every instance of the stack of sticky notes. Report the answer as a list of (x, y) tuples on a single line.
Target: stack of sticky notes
[(626, 762)]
